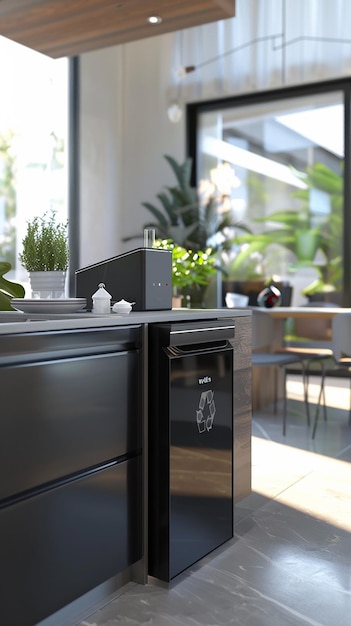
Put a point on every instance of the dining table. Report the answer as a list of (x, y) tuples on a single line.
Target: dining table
[(318, 312), (282, 313), (263, 395)]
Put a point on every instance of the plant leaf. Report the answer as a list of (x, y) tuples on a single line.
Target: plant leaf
[(156, 213), (181, 171), (282, 217), (8, 289), (5, 302)]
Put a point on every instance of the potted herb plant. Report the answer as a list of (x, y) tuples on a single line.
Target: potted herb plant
[(45, 255)]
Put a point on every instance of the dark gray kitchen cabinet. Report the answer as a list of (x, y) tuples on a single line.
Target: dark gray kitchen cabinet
[(70, 449)]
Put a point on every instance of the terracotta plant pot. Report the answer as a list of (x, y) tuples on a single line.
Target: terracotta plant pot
[(176, 302)]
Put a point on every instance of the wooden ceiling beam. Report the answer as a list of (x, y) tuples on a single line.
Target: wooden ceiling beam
[(70, 27)]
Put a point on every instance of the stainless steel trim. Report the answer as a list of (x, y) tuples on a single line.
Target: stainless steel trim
[(201, 330)]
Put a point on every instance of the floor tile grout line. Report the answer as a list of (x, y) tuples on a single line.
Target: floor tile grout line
[(293, 484)]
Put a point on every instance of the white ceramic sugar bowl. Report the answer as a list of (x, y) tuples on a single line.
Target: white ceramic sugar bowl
[(122, 307)]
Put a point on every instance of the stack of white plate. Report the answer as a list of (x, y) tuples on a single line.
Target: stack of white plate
[(68, 305)]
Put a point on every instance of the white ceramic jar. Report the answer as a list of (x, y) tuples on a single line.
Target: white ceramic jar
[(101, 301)]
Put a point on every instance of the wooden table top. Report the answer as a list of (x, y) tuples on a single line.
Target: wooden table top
[(284, 312)]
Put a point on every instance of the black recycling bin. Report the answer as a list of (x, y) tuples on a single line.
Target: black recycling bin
[(190, 443)]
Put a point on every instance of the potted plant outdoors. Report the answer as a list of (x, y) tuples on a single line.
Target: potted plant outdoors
[(191, 271), (45, 255), (243, 273), (305, 241), (8, 288), (328, 285), (297, 233), (292, 234)]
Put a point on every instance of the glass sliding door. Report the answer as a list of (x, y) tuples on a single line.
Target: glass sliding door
[(287, 150)]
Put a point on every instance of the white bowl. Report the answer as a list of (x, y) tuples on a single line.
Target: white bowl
[(122, 307), (233, 300)]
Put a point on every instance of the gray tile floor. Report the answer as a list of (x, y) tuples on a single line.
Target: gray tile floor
[(289, 562)]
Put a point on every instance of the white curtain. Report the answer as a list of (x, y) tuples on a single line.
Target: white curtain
[(269, 44)]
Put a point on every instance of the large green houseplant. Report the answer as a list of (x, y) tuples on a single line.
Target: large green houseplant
[(8, 288), (186, 217), (330, 273), (192, 219), (45, 255), (297, 232)]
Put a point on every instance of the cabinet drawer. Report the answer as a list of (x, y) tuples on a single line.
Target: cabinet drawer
[(58, 545), (30, 347), (67, 415)]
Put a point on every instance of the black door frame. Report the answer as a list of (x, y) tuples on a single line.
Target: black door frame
[(194, 109)]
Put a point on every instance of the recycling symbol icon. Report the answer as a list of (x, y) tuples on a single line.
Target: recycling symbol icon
[(206, 411)]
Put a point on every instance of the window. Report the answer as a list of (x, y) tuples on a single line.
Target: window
[(33, 145), (289, 154)]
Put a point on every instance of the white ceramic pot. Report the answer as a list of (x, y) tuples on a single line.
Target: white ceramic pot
[(45, 285)]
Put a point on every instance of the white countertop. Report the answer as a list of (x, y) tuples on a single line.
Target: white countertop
[(38, 323)]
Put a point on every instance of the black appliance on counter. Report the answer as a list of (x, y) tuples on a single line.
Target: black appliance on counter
[(143, 276), (190, 443)]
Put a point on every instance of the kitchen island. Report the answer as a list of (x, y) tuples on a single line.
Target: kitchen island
[(74, 455)]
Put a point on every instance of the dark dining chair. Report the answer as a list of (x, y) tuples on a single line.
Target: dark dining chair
[(316, 334), (341, 366), (263, 335)]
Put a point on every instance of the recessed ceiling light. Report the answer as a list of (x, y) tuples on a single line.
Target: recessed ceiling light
[(154, 19)]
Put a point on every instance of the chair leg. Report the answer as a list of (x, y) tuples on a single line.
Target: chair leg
[(323, 390), (321, 393), (284, 404), (305, 388), (275, 390)]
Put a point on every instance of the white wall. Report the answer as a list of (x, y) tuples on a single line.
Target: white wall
[(100, 150), (125, 132)]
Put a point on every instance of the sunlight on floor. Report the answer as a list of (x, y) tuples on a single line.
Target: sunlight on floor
[(337, 392), (310, 482)]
